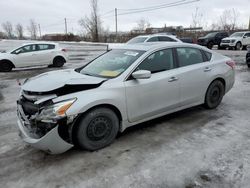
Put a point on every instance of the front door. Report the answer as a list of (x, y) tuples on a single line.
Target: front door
[(151, 97), (25, 56)]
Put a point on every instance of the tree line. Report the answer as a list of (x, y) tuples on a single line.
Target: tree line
[(17, 31)]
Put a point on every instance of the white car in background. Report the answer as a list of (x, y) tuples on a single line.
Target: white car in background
[(236, 40), (154, 38), (33, 54)]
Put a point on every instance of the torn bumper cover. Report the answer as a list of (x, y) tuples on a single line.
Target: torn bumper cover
[(50, 142)]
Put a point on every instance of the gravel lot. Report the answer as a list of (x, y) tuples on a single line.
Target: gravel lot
[(192, 148)]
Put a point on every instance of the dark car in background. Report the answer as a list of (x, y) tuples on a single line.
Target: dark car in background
[(212, 39)]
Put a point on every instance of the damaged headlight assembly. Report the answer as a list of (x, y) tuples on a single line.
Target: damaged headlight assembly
[(56, 111)]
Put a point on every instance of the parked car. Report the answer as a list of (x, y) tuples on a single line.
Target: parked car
[(154, 38), (33, 54), (89, 105), (212, 39), (188, 40), (236, 41), (248, 57)]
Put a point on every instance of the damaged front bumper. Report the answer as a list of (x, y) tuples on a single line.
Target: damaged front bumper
[(51, 142)]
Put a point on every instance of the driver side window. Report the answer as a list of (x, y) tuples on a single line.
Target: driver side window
[(159, 61)]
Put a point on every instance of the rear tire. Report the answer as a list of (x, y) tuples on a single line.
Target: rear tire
[(97, 129), (214, 94), (6, 66), (58, 62)]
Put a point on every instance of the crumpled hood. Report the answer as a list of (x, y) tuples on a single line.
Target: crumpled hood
[(54, 80)]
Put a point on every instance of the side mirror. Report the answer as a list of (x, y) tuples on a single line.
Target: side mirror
[(141, 74), (244, 37)]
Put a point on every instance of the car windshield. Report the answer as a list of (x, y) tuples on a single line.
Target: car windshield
[(210, 35), (237, 35), (112, 63), (137, 40)]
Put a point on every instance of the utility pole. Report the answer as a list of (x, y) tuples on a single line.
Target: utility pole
[(116, 22), (39, 27), (66, 27)]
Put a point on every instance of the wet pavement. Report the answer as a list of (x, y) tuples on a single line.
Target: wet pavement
[(191, 148)]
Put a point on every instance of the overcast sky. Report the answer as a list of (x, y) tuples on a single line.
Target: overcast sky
[(50, 14)]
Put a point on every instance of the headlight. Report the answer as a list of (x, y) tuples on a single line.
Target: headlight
[(55, 111), (232, 41)]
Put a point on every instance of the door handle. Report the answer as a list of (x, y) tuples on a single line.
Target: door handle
[(207, 69), (172, 79)]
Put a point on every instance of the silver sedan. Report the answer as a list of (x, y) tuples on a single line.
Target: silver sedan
[(88, 106)]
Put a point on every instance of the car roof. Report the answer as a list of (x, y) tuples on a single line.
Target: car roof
[(40, 42), (155, 35), (148, 46)]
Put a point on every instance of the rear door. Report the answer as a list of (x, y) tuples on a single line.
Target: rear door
[(194, 75), (45, 53), (160, 93)]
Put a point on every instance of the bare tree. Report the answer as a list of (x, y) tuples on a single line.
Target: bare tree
[(8, 29), (142, 24), (19, 31), (197, 18), (32, 28), (92, 24), (229, 20)]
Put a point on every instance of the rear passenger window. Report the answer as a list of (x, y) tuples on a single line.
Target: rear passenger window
[(189, 56), (153, 39), (158, 61), (167, 39), (45, 46)]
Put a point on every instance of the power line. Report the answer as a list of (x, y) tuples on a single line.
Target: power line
[(157, 8)]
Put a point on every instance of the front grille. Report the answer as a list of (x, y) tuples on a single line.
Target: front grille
[(226, 41), (29, 107)]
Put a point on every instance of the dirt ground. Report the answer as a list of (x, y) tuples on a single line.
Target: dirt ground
[(192, 148)]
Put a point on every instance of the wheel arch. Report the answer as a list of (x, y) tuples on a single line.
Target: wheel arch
[(75, 124), (59, 56), (219, 79), (7, 60)]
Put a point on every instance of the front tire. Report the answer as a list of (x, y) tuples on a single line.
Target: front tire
[(214, 95), (238, 46), (210, 45), (5, 66), (97, 129)]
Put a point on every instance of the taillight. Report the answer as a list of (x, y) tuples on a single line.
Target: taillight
[(231, 64), (64, 50)]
